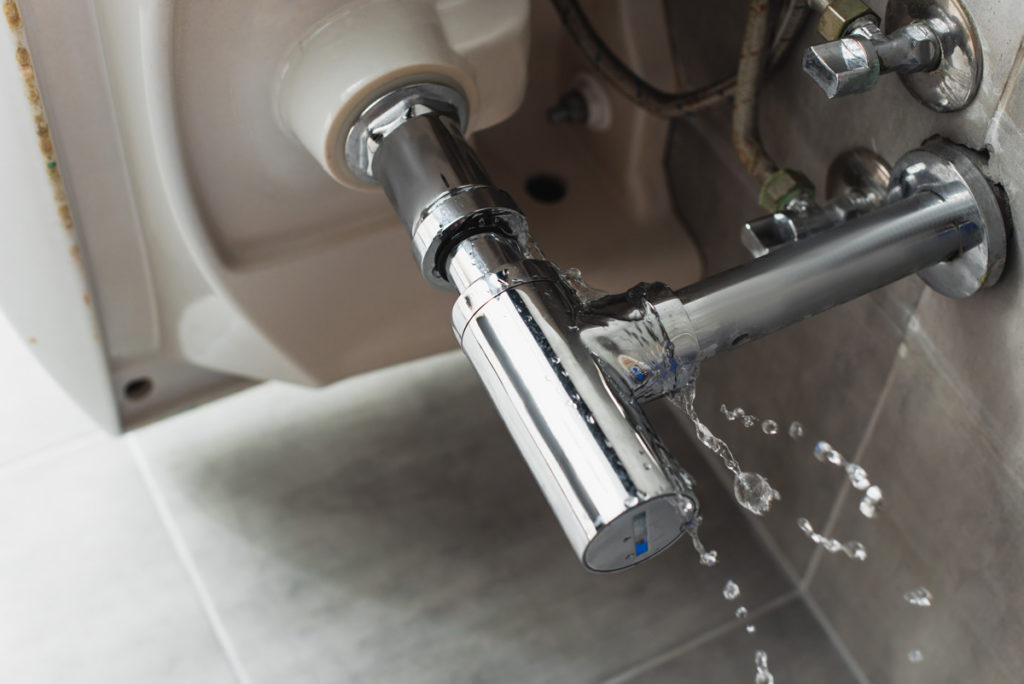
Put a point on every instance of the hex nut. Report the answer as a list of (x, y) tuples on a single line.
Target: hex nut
[(782, 187), (838, 16)]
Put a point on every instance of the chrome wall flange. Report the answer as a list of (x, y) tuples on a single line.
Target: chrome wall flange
[(952, 173), (953, 85)]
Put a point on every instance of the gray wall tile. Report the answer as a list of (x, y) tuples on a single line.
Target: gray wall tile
[(951, 522)]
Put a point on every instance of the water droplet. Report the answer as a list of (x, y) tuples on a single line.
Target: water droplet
[(831, 545), (763, 675), (741, 612), (855, 550), (796, 430), (754, 492), (858, 476), (824, 452), (630, 502), (770, 427), (871, 502), (731, 590), (749, 421), (918, 597), (805, 526), (707, 558), (915, 656), (647, 466), (751, 629)]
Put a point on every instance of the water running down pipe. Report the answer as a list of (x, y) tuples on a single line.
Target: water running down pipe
[(568, 375)]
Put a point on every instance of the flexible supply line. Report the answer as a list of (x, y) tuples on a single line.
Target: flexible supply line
[(754, 56)]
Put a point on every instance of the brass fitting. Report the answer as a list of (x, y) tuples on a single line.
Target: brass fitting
[(782, 188), (838, 16)]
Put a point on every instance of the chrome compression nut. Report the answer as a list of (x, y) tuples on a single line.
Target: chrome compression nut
[(441, 198)]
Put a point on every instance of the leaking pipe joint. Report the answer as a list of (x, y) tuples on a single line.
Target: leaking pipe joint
[(568, 375)]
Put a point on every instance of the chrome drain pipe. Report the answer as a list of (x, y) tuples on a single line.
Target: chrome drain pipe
[(568, 376)]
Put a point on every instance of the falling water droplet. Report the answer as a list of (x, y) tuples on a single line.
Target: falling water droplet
[(731, 590), (796, 430), (871, 502), (824, 452), (630, 502), (707, 558), (915, 656), (805, 526), (749, 421), (741, 612), (855, 550), (751, 629), (770, 427), (858, 476), (763, 675), (754, 492), (918, 597), (831, 545)]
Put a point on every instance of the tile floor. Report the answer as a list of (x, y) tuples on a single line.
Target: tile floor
[(380, 530)]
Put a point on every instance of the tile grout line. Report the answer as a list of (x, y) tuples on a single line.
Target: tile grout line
[(708, 636), (862, 447), (188, 563), (804, 586), (833, 636)]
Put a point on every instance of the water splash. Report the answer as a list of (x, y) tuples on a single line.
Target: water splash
[(769, 427), (918, 597), (763, 676), (824, 452), (915, 656), (871, 502), (796, 430), (707, 558), (853, 549), (574, 279), (858, 477), (731, 590), (752, 490)]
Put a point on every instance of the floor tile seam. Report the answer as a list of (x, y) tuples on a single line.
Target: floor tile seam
[(941, 366), (706, 637), (833, 636), (844, 490), (29, 459), (187, 561)]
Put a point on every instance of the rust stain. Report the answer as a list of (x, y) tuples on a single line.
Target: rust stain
[(76, 252), (32, 340), (28, 75), (86, 298), (12, 15)]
